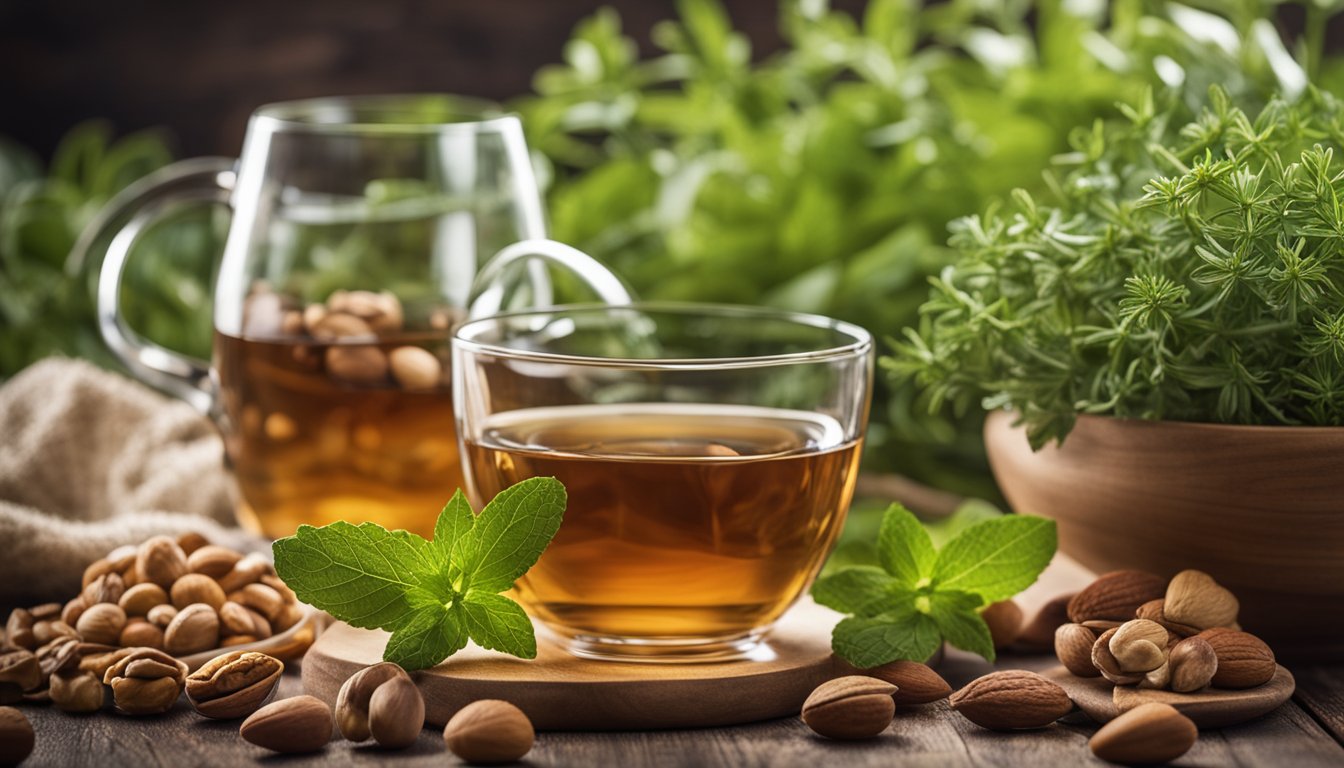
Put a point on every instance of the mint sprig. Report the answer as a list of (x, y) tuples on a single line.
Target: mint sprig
[(431, 595), (922, 596)]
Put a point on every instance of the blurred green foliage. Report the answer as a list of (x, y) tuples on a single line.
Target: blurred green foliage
[(820, 178)]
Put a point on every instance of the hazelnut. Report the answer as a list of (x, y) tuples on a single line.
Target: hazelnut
[(101, 623), (195, 628), (352, 702), (490, 731), (161, 561), (396, 713), (141, 598), (196, 588)]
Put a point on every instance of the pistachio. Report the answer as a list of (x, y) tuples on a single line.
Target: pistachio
[(489, 731), (234, 685), (396, 713), (195, 628), (78, 692), (161, 561), (101, 623), (294, 725), (352, 702), (196, 588), (851, 707)]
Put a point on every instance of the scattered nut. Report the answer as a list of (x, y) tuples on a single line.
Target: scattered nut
[(489, 731), (196, 588), (295, 725), (1244, 661), (851, 707), (195, 628), (16, 736), (145, 681), (1147, 734), (396, 713), (77, 693), (352, 702), (1073, 646), (1193, 598), (915, 683), (1004, 619), (1115, 596), (234, 684), (1139, 645), (140, 599), (1012, 699), (19, 667), (19, 629), (1193, 664)]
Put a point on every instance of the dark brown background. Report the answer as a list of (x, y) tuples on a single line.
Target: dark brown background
[(201, 67)]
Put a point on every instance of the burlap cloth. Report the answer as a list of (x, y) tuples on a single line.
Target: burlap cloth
[(90, 460)]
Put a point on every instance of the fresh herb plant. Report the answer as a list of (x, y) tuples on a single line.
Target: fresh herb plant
[(1193, 274), (431, 595), (919, 596)]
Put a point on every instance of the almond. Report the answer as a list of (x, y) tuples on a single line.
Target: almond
[(489, 731), (1073, 646), (1012, 699), (1115, 596), (1193, 664), (915, 683), (294, 725), (1004, 620), (1244, 661), (1147, 734), (850, 707), (1195, 599), (1039, 633)]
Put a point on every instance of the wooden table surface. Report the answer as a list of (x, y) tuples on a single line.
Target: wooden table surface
[(1308, 731)]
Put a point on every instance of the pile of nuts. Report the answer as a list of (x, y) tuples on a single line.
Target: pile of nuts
[(145, 606), (352, 323), (1134, 628), (1130, 627)]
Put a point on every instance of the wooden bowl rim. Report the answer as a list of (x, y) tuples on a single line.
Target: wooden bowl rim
[(1103, 421)]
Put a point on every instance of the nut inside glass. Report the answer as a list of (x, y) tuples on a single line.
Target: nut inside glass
[(709, 453)]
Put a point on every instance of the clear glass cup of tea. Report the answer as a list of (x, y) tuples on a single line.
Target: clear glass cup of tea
[(709, 453), (361, 234)]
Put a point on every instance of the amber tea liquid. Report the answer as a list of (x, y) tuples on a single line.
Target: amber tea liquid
[(310, 448), (684, 523)]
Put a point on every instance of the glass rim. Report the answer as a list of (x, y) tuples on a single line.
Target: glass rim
[(861, 341), (466, 115)]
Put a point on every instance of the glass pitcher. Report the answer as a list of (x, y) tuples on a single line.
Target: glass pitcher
[(361, 236)]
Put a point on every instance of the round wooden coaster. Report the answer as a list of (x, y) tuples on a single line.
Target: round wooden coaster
[(561, 692), (1209, 708)]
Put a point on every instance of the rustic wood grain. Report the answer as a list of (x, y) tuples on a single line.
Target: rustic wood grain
[(1259, 508), (928, 736), (1320, 691)]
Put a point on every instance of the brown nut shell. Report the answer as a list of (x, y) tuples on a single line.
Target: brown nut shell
[(1010, 700), (396, 713), (352, 702), (488, 732), (234, 685), (915, 683), (851, 707), (293, 726)]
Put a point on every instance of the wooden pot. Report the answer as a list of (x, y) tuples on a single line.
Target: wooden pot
[(1261, 509)]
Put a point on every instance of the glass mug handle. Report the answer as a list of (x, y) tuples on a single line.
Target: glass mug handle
[(488, 289), (182, 184)]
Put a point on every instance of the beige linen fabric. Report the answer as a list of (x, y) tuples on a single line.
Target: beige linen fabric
[(90, 460)]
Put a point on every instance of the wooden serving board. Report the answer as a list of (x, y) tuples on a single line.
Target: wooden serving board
[(561, 692), (1210, 708)]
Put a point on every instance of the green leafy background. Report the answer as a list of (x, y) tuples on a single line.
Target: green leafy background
[(820, 178)]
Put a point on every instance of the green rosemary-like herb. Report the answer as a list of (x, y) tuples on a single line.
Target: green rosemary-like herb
[(1190, 274)]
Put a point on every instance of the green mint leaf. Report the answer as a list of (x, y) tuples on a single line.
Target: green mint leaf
[(904, 548), (427, 636), (431, 595), (863, 590), (452, 531), (361, 574), (997, 558), (955, 614), (902, 634), (511, 532), (498, 623)]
